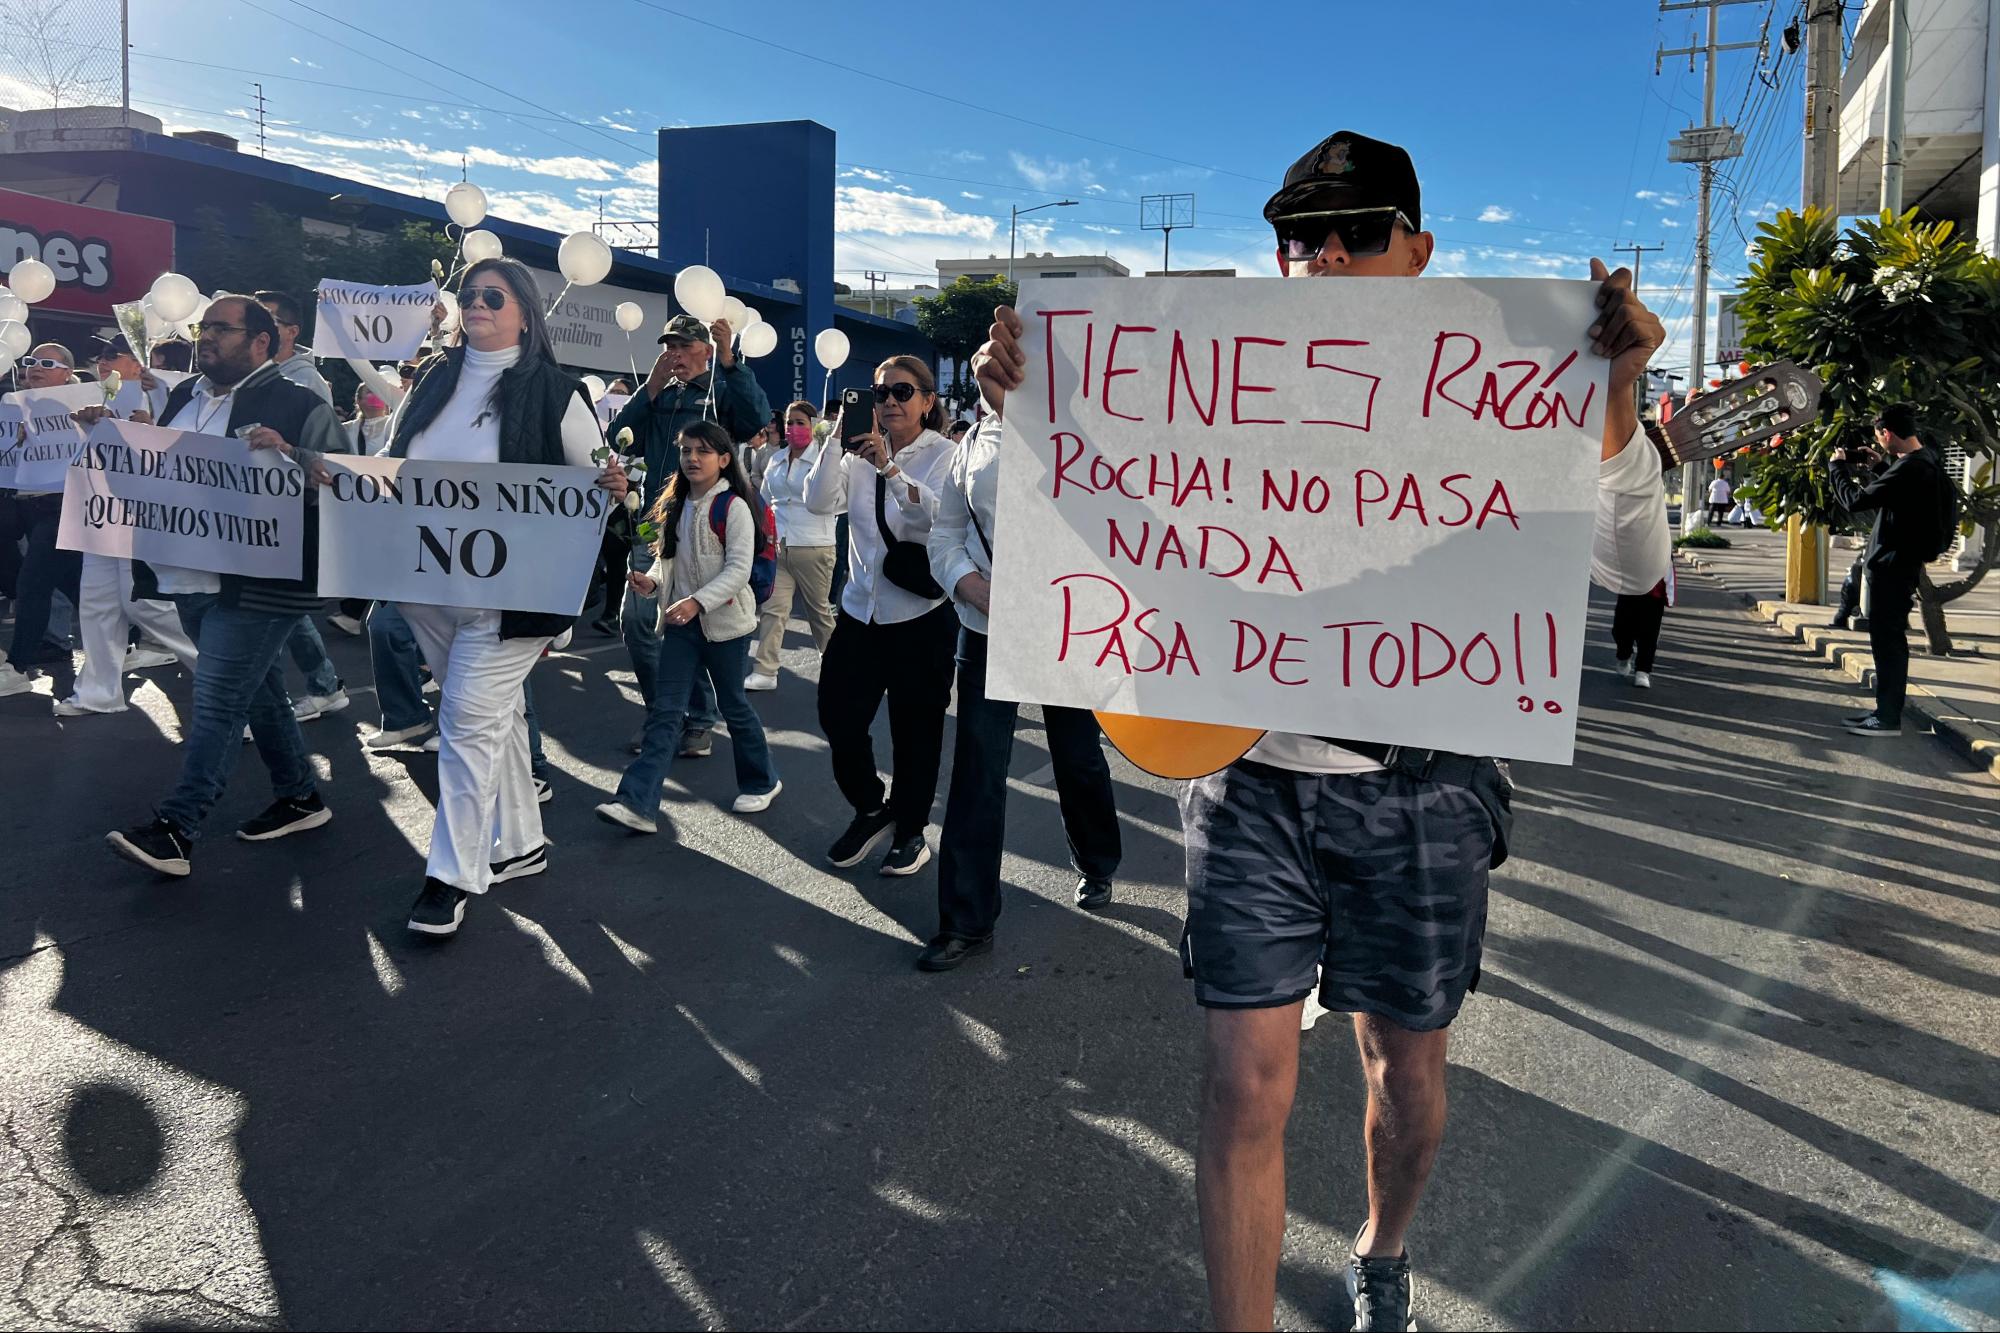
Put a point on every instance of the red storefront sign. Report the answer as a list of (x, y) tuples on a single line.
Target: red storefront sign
[(99, 257)]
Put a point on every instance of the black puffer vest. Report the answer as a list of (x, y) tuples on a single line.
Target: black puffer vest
[(534, 395)]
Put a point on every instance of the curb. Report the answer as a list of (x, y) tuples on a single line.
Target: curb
[(1973, 741)]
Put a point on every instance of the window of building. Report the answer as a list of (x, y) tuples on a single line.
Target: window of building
[(1069, 273)]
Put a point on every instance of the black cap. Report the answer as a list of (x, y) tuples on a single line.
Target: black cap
[(686, 328), (1349, 170), (114, 346)]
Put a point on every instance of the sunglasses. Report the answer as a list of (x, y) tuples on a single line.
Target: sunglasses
[(42, 363), (902, 393), (1362, 231), (493, 298)]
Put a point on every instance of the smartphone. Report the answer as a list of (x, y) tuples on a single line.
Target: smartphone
[(857, 417)]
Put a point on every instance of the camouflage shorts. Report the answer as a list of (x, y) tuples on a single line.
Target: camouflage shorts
[(1377, 881)]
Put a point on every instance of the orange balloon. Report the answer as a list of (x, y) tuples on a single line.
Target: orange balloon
[(1721, 463), (1743, 369)]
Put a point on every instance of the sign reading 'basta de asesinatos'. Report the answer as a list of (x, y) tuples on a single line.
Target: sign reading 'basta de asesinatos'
[(1342, 508), (173, 497), (495, 536)]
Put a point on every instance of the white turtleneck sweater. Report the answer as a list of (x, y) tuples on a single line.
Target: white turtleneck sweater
[(467, 430)]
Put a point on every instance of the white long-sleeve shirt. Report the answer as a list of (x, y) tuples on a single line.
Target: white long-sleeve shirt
[(842, 483), (467, 428), (958, 543), (784, 486)]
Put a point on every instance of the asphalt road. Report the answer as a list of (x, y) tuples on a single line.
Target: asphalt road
[(1735, 1061)]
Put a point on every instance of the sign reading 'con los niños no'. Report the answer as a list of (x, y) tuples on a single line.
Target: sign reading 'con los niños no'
[(1342, 508), (370, 323)]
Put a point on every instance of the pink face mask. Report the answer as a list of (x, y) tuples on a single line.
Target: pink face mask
[(798, 436)]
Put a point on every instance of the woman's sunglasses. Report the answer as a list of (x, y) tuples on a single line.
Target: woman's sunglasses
[(493, 298), (1363, 231), (902, 393), (42, 363)]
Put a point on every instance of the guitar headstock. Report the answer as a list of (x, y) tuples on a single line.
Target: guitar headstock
[(1770, 400)]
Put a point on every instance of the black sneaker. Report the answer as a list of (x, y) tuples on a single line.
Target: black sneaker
[(948, 951), (158, 846), (522, 866), (544, 791), (1383, 1292), (697, 744), (438, 909), (287, 814), (908, 856), (1092, 894), (863, 836), (1873, 725)]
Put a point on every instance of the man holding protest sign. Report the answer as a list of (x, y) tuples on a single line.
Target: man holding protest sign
[(241, 624), (697, 377), (45, 570), (1356, 869)]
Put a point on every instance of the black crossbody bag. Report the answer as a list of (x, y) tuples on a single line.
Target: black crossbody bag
[(905, 564)]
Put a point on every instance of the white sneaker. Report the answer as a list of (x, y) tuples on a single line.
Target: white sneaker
[(14, 682), (757, 680), (544, 791), (145, 659), (347, 625), (389, 740), (318, 705), (1643, 679), (561, 641), (1312, 1012), (623, 815), (70, 708), (749, 803), (1627, 665), (431, 686), (431, 745)]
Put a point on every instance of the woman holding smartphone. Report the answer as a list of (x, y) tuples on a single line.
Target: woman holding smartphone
[(895, 633)]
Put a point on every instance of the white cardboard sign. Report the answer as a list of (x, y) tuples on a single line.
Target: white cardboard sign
[(205, 502), (496, 536), (1343, 508), (10, 443), (372, 323), (50, 439)]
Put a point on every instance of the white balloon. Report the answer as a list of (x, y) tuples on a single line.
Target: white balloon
[(594, 387), (584, 258), (465, 204), (15, 338), (760, 339), (6, 363), (481, 246), (199, 313), (13, 307), (32, 281), (732, 310), (700, 292), (157, 325), (174, 297), (630, 315), (750, 315), (830, 348)]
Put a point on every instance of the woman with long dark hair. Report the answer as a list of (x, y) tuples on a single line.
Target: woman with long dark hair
[(709, 537), (495, 396), (896, 633)]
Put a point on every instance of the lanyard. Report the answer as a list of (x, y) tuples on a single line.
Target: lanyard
[(216, 406)]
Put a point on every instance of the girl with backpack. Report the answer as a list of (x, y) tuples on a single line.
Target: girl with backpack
[(712, 544)]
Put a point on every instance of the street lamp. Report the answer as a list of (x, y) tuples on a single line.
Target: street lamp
[(1014, 222)]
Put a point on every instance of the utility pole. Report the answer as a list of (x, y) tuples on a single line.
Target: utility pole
[(1892, 120), (1705, 146), (1806, 545), (1638, 251), (125, 61), (260, 119), (873, 277)]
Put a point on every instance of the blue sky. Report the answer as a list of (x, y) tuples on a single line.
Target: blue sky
[(1539, 128)]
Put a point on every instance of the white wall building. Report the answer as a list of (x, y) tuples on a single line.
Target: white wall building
[(1030, 267), (1951, 136)]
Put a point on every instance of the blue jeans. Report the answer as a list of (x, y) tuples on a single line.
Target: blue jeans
[(639, 616), (239, 676), (685, 654), (399, 686), (309, 653), (538, 763)]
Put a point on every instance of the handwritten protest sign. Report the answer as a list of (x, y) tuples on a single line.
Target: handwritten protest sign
[(498, 536), (609, 406), (205, 502), (50, 438), (372, 323), (1358, 508), (10, 443)]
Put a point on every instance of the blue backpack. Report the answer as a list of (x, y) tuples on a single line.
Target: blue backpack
[(764, 561)]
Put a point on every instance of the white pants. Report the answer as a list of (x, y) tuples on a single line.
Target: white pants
[(105, 617), (486, 808)]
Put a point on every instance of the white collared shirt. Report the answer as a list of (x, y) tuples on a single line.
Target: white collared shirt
[(784, 487), (842, 483)]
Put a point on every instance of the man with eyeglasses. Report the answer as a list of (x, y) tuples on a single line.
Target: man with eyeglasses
[(45, 570), (295, 362), (697, 377), (1344, 867), (241, 624)]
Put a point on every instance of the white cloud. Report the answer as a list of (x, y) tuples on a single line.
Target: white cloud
[(1495, 213), (866, 174), (1669, 222), (1055, 173), (887, 213), (967, 194)]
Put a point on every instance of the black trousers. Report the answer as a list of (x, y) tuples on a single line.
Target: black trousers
[(1635, 624), (614, 556), (1850, 590), (45, 571), (11, 532), (1891, 592), (911, 664), (975, 813)]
